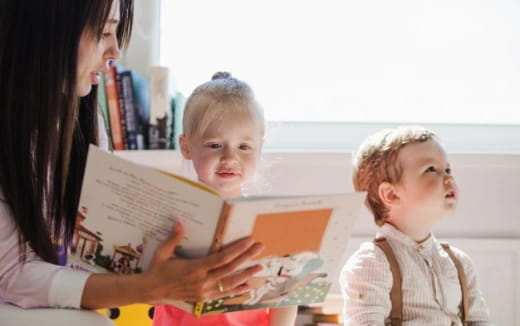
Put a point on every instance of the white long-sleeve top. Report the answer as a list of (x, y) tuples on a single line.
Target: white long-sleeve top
[(37, 283), (430, 284)]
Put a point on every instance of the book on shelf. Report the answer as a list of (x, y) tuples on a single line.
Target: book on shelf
[(126, 210), (102, 101), (114, 111), (121, 101), (141, 86), (129, 110), (160, 107)]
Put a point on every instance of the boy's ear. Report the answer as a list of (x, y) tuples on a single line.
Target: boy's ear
[(389, 195), (185, 147)]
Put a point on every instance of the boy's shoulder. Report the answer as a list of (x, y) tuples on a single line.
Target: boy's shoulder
[(367, 264), (366, 256), (461, 255)]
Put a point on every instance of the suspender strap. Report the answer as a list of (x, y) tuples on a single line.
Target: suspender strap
[(396, 293), (462, 281)]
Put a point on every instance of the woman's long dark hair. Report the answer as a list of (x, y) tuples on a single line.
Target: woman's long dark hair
[(45, 128)]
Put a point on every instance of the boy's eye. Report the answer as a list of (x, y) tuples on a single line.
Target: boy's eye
[(430, 169), (447, 171), (244, 147)]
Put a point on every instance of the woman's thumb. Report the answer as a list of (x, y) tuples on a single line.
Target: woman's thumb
[(166, 249)]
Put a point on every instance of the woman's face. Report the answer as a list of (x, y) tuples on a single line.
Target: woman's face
[(95, 55)]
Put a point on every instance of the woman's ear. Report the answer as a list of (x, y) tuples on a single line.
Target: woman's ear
[(388, 194), (185, 147)]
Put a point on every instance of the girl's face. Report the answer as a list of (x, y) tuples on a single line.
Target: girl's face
[(95, 55), (225, 156)]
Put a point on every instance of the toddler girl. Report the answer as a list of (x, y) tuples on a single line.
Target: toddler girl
[(223, 130)]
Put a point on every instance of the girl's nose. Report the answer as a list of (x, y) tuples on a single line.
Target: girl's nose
[(228, 155)]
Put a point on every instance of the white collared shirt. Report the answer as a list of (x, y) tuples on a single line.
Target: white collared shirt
[(430, 284)]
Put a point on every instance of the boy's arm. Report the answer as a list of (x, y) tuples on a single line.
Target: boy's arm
[(478, 311), (282, 316), (366, 281)]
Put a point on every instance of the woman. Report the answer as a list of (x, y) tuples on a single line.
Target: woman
[(51, 54)]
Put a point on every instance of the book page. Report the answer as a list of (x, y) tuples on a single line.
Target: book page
[(127, 209)]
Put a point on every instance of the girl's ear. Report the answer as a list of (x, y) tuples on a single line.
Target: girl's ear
[(185, 147), (388, 194)]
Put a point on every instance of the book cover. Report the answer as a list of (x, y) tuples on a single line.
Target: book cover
[(127, 209)]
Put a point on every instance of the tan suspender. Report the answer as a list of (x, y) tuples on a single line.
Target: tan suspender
[(396, 293), (462, 280)]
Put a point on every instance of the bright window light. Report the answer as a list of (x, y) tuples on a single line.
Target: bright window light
[(441, 61), (378, 61)]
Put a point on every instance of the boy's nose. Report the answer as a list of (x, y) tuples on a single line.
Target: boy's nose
[(449, 180)]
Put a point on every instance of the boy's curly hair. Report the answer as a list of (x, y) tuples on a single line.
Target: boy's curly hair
[(376, 162)]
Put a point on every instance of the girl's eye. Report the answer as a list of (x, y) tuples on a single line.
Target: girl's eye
[(447, 171), (430, 169), (214, 145), (244, 147)]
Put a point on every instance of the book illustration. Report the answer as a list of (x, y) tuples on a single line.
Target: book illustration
[(88, 247), (127, 210), (291, 268), (281, 276)]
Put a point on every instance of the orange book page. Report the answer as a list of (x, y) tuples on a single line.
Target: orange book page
[(291, 232)]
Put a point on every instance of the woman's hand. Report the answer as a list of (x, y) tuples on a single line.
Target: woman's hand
[(172, 278), (201, 279)]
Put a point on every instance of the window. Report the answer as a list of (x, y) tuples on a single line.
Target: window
[(334, 71)]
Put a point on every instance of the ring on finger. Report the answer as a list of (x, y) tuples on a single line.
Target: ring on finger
[(220, 287)]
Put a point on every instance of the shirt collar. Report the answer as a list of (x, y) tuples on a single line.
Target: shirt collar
[(390, 232)]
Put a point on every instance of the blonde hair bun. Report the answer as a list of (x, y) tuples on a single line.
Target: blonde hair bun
[(221, 75)]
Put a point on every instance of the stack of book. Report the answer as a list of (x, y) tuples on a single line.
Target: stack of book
[(328, 313), (139, 112)]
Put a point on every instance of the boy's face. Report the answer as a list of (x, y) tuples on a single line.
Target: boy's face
[(225, 156), (426, 189)]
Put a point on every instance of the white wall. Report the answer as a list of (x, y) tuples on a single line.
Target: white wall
[(143, 50), (489, 187)]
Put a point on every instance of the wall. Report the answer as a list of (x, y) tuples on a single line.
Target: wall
[(489, 187)]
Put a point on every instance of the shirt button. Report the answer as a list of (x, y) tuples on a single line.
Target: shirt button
[(420, 248)]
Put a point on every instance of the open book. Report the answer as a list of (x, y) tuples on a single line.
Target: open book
[(127, 209)]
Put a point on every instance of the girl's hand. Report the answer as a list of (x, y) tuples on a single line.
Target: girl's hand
[(174, 278)]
